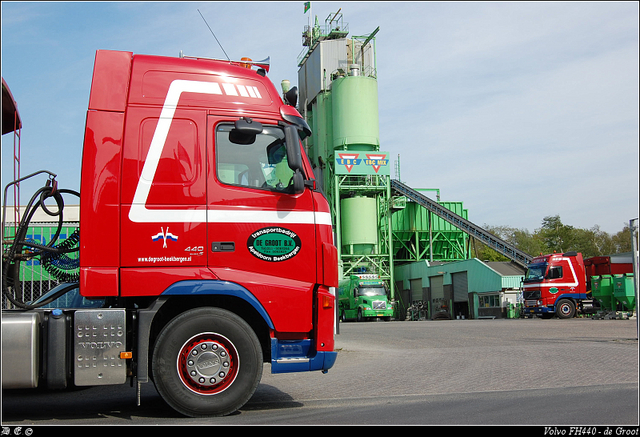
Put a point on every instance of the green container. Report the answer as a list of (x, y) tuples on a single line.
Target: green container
[(602, 291), (623, 290), (359, 225)]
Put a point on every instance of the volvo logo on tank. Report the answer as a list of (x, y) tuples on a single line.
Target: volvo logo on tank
[(274, 244)]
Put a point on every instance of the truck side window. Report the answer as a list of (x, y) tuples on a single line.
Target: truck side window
[(555, 272), (258, 161)]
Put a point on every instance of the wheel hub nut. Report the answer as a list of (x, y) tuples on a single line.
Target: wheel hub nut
[(208, 363)]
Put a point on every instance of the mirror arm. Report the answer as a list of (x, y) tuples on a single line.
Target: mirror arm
[(310, 183)]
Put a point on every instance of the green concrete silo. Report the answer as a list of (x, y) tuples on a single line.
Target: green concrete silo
[(355, 113), (359, 225)]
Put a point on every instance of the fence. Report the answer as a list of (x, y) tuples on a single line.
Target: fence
[(35, 279)]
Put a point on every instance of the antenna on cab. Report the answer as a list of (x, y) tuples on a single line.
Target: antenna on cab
[(214, 35)]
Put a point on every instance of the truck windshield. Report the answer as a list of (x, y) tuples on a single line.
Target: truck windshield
[(535, 272), (371, 291)]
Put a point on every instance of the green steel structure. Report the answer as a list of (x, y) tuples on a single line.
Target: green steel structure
[(419, 234), (338, 96), (339, 99)]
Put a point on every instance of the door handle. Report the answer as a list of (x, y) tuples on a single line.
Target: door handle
[(223, 246)]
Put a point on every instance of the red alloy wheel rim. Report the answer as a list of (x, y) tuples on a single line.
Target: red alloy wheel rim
[(208, 363)]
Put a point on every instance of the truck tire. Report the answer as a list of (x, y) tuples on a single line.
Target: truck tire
[(207, 362), (565, 309), (359, 317)]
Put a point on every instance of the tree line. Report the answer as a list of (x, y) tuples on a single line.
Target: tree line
[(555, 236)]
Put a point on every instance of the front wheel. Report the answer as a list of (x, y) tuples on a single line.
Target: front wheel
[(207, 362), (565, 309)]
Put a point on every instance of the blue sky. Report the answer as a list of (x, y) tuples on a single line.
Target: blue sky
[(520, 110)]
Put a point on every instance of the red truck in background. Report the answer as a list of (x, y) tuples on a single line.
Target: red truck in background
[(559, 284), (202, 236)]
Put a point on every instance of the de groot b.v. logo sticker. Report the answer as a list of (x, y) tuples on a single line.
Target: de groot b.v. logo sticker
[(274, 244)]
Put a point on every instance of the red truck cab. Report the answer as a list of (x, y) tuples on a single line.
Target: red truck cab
[(196, 194), (554, 284), (560, 284)]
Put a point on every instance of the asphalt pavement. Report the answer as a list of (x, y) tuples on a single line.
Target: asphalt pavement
[(457, 372)]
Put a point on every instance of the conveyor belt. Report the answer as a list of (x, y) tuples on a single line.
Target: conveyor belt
[(464, 225)]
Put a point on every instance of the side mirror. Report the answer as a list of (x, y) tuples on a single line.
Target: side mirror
[(294, 156)]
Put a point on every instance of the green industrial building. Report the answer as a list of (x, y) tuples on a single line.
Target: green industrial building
[(468, 289)]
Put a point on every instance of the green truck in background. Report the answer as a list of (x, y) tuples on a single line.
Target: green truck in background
[(364, 296)]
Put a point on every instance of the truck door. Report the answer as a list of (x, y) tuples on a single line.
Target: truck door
[(561, 276), (260, 233)]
